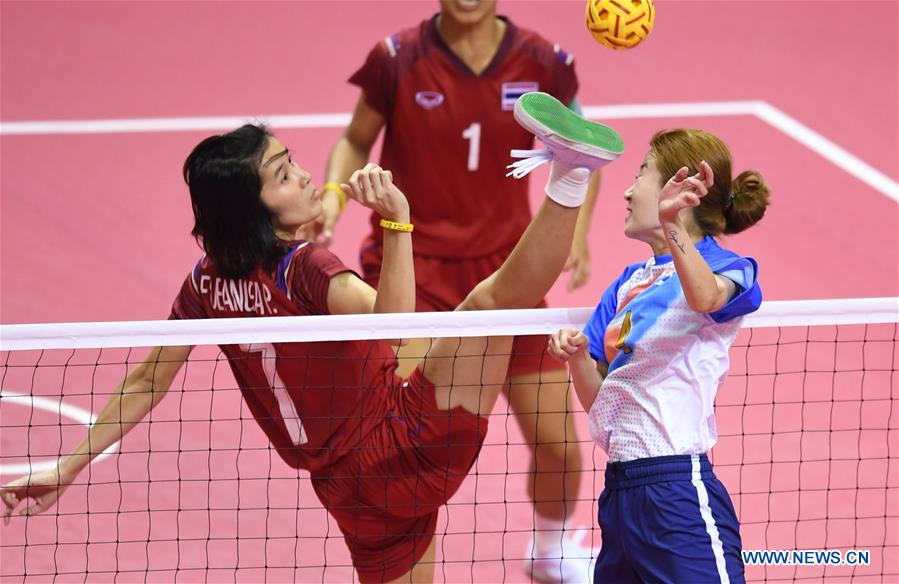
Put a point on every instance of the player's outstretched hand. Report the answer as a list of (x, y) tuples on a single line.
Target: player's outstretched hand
[(566, 344), (682, 191), (44, 487), (373, 187)]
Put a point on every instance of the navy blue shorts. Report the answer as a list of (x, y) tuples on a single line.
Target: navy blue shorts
[(667, 519)]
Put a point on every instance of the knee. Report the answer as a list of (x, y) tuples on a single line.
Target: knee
[(482, 297)]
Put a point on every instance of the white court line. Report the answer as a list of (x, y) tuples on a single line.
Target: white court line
[(764, 111), (670, 110), (832, 152), (170, 124), (80, 415), (769, 114)]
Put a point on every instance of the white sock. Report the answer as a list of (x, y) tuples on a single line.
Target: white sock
[(567, 184), (548, 536)]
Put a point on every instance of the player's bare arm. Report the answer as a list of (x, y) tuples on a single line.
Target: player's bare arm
[(139, 393)]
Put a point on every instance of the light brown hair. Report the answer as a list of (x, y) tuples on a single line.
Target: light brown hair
[(731, 206)]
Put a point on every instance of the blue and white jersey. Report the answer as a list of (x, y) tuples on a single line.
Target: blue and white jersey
[(665, 360)]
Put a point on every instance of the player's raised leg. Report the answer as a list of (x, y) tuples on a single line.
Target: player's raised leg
[(470, 372), (423, 570), (466, 375)]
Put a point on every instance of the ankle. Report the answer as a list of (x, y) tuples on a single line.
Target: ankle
[(567, 185)]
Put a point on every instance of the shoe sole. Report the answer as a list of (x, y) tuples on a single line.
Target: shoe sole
[(546, 117)]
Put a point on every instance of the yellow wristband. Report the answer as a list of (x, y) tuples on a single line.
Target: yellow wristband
[(406, 227), (334, 187)]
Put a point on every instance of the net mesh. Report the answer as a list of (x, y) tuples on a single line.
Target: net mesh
[(807, 419)]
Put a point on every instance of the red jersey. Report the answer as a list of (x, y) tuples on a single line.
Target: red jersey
[(315, 401), (449, 133)]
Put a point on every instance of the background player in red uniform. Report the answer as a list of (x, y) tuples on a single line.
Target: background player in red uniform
[(444, 91), (384, 453)]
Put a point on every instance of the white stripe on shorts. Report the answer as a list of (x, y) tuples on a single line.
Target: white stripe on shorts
[(710, 527)]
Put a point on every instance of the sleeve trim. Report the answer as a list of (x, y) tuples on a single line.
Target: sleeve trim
[(195, 275), (285, 275), (564, 56)]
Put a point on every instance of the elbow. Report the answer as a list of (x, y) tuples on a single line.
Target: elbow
[(701, 306), (360, 148), (385, 306), (149, 380), (586, 394), (481, 298), (706, 303)]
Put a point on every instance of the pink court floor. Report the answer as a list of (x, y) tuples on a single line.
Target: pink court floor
[(101, 102)]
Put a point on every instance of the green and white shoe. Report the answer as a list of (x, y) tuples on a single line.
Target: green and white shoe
[(568, 138)]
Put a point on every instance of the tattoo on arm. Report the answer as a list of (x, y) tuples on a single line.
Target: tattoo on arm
[(680, 246)]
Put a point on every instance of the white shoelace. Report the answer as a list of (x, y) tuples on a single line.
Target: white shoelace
[(530, 159)]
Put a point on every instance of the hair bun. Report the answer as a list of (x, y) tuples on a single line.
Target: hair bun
[(748, 201)]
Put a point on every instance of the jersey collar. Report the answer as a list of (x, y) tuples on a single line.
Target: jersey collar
[(458, 63)]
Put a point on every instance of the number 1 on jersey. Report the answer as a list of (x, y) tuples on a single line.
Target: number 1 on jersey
[(473, 133)]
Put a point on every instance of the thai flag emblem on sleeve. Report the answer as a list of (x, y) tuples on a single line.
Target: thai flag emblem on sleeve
[(515, 89)]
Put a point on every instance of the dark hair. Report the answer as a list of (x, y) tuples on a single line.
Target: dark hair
[(231, 223), (730, 206)]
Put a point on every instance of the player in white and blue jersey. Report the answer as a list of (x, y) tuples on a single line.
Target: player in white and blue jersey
[(649, 362)]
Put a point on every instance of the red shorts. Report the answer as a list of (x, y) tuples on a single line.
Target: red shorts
[(442, 284), (386, 495)]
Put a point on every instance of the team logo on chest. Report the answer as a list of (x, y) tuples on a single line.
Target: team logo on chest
[(512, 90), (429, 99)]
